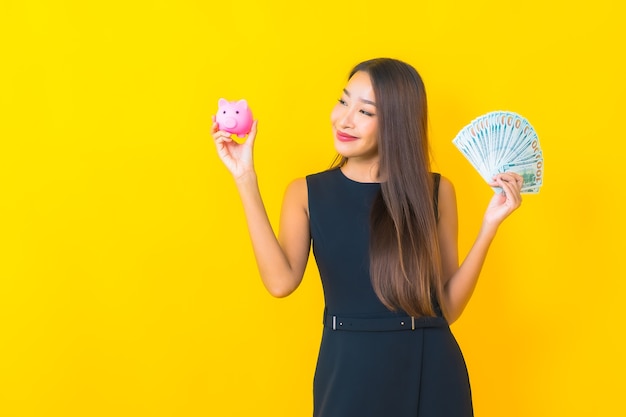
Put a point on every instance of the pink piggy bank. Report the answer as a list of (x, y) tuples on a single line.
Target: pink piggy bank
[(234, 117)]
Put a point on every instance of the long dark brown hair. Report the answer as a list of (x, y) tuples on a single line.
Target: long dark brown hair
[(405, 263)]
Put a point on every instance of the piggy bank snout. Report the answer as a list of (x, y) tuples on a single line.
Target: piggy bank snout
[(229, 122)]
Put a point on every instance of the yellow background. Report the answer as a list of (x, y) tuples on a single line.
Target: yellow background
[(127, 283)]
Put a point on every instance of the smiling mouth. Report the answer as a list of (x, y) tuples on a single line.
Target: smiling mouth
[(344, 137)]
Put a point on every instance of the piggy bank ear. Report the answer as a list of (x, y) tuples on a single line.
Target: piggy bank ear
[(222, 102), (242, 104)]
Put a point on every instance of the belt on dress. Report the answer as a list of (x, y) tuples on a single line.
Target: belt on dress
[(386, 324)]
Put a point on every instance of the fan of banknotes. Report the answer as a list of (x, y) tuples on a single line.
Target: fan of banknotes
[(502, 141)]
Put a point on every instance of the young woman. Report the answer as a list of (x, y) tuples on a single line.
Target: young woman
[(384, 236)]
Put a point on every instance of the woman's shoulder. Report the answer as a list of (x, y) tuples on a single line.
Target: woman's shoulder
[(330, 178), (296, 194), (445, 184), (303, 182), (327, 173), (446, 194), (297, 184), (441, 180)]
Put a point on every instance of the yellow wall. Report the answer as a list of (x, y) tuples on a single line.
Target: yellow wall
[(127, 284)]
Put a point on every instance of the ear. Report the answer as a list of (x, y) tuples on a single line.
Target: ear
[(222, 102), (242, 103)]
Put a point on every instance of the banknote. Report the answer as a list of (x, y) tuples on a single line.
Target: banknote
[(503, 141)]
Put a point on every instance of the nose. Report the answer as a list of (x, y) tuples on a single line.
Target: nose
[(230, 122), (346, 116)]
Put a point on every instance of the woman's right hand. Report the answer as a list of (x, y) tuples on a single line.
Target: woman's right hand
[(238, 157)]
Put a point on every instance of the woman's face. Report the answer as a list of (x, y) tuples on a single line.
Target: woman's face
[(354, 120)]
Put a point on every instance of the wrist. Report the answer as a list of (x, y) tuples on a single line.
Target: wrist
[(246, 179), (488, 231)]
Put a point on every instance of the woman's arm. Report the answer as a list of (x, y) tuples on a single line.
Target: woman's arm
[(460, 281), (281, 261)]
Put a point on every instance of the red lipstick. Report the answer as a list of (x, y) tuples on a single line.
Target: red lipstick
[(344, 137)]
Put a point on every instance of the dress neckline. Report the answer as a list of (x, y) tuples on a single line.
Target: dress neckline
[(341, 173)]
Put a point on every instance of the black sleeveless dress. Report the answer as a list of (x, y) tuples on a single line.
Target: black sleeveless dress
[(373, 362)]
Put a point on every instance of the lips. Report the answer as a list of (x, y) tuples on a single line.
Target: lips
[(344, 137)]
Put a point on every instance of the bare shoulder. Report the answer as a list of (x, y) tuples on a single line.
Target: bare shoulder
[(447, 194), (445, 185), (297, 187), (296, 194)]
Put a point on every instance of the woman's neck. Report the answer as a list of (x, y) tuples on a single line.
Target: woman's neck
[(361, 171)]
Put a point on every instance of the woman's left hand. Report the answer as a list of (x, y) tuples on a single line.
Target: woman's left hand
[(504, 203)]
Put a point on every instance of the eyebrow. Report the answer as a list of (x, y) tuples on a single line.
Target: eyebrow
[(361, 99)]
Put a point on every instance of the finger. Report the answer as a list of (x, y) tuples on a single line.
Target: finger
[(512, 192), (508, 176), (221, 139), (220, 133), (518, 181), (497, 180), (516, 177), (252, 133)]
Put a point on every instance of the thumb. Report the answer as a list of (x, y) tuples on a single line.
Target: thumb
[(252, 134)]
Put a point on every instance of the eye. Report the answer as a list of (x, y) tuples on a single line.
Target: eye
[(342, 102), (365, 112)]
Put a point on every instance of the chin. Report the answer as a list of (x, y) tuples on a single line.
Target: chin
[(342, 151)]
